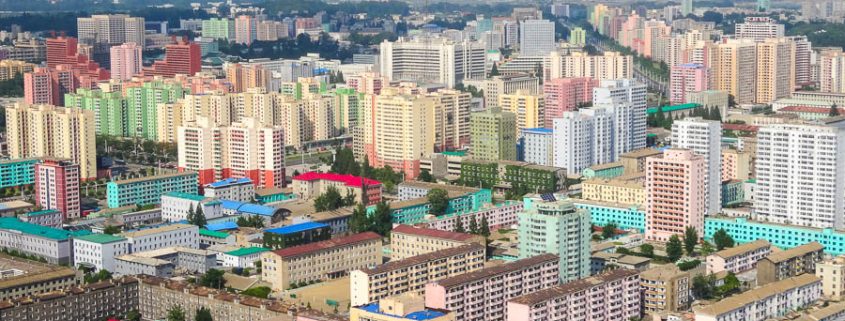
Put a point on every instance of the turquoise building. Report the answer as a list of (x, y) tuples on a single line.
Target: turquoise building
[(148, 190), (17, 172), (743, 230), (625, 217), (556, 226), (272, 195), (414, 211), (609, 170)]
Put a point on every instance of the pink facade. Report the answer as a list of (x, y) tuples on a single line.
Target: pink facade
[(674, 194), (57, 187), (367, 83), (613, 295), (483, 294), (652, 30), (564, 94), (687, 78), (49, 86), (125, 61), (498, 216)]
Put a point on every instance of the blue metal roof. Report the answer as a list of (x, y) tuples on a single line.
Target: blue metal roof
[(248, 208), (297, 228), (222, 226), (539, 130), (230, 181), (426, 314)]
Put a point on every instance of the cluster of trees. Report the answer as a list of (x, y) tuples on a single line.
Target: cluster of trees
[(379, 221), (288, 48), (102, 275), (675, 248), (16, 253), (111, 229), (661, 119), (438, 199), (196, 217), (820, 33), (253, 221), (704, 287), (482, 228), (258, 292), (135, 150), (213, 278), (12, 88), (331, 200), (372, 8), (345, 163), (475, 92), (371, 40), (425, 176), (722, 240), (177, 313)]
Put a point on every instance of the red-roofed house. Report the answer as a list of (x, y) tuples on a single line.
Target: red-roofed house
[(407, 241), (809, 113), (320, 261), (314, 184)]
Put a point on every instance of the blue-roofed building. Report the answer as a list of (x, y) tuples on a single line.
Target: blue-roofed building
[(223, 226), (236, 189), (296, 234), (269, 214), (537, 146), (403, 307)]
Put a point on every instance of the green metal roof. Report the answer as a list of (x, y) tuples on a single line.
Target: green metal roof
[(12, 223), (219, 235), (187, 196), (455, 153), (672, 108), (247, 251), (101, 238), (39, 213)]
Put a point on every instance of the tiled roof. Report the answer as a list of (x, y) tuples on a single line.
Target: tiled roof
[(496, 270), (795, 252), (573, 287), (737, 301), (742, 249), (349, 180), (328, 244), (455, 236)]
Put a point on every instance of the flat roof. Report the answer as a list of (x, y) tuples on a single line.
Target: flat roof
[(40, 213), (573, 287), (247, 251), (776, 288), (14, 205), (229, 182), (496, 270), (152, 178), (348, 180), (448, 188), (325, 245), (13, 223), (642, 152), (100, 238), (215, 234), (248, 208), (187, 196), (155, 230), (425, 314), (229, 225), (296, 228), (151, 261), (30, 278), (422, 258), (433, 233)]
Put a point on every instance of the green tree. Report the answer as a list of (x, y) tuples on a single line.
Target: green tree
[(133, 315), (258, 292), (438, 198), (707, 248), (690, 240), (253, 221), (674, 249), (647, 250), (731, 285), (608, 230), (328, 201), (722, 240), (459, 225), (199, 217), (359, 222), (494, 71), (213, 278), (702, 287), (191, 214), (473, 225), (203, 314), (834, 111), (381, 219), (484, 230), (111, 230), (175, 313), (425, 176)]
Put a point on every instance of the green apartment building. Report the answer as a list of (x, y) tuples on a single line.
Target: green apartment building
[(148, 190), (525, 177), (142, 106), (17, 172), (556, 226), (349, 105), (217, 28), (109, 109), (493, 135)]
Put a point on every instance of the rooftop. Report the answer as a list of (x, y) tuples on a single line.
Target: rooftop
[(422, 258), (795, 252), (151, 261), (247, 251), (156, 230), (826, 313), (325, 245), (215, 234), (664, 273), (496, 270), (653, 110), (742, 249), (540, 130), (642, 152), (296, 228), (12, 223), (573, 287), (349, 180), (14, 205), (31, 278), (187, 196), (738, 301), (452, 189), (100, 238), (606, 166), (426, 314), (428, 232), (222, 226), (249, 208), (228, 182), (40, 213), (156, 177)]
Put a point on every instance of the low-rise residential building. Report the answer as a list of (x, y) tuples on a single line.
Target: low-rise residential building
[(739, 258), (415, 189), (413, 273), (666, 289), (210, 238), (17, 172), (236, 189), (176, 206), (604, 171), (614, 295), (831, 273), (244, 257), (635, 160), (483, 294), (461, 200), (184, 235), (322, 260), (405, 307), (98, 251), (500, 215), (137, 265), (600, 261), (505, 174), (48, 218), (183, 259), (625, 217), (314, 184), (24, 278), (408, 241), (744, 230), (772, 300), (148, 190), (832, 312), (614, 191), (96, 301), (270, 215), (296, 234), (789, 263), (52, 244)]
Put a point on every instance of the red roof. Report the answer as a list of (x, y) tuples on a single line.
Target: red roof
[(408, 229), (740, 127), (325, 245), (808, 109), (349, 180)]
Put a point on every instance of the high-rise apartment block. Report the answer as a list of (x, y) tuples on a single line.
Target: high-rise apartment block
[(218, 28), (759, 28), (182, 58), (559, 228), (246, 29), (508, 84), (775, 69), (126, 61), (566, 94), (528, 108), (831, 71), (687, 78), (50, 131), (536, 37), (630, 94), (112, 29), (703, 137), (733, 69), (48, 86), (799, 179), (493, 135), (538, 146), (432, 60), (610, 65), (10, 68), (57, 187), (675, 193)]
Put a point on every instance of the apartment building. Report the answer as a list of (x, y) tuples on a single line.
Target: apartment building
[(736, 165), (610, 65), (772, 300), (313, 184), (789, 263), (10, 68), (70, 135), (24, 278), (96, 301), (666, 289), (184, 235), (685, 79), (17, 172), (498, 216), (759, 29), (126, 60), (218, 28), (739, 258), (148, 190), (537, 146), (322, 260), (493, 135), (536, 37), (556, 226), (431, 60), (409, 241), (410, 275), (112, 29), (48, 218), (620, 191), (483, 294), (176, 206), (163, 261), (566, 94), (675, 193), (733, 69), (404, 307), (98, 251), (235, 189), (704, 138), (507, 84), (51, 244), (57, 187), (528, 108), (613, 295), (830, 271)]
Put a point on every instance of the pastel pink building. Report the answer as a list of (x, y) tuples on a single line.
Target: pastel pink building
[(613, 295), (739, 258), (674, 194), (57, 187), (125, 61), (687, 78), (367, 83), (564, 94), (49, 85), (652, 30), (483, 294), (498, 216)]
